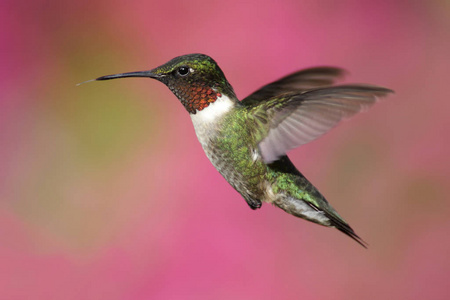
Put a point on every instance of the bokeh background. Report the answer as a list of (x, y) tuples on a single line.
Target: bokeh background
[(105, 192)]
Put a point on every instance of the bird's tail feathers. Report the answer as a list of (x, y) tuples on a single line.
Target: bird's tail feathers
[(326, 217)]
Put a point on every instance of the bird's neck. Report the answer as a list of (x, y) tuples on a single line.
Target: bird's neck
[(214, 111), (196, 96), (208, 122)]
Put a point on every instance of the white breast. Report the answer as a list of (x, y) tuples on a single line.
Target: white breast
[(205, 120), (214, 111)]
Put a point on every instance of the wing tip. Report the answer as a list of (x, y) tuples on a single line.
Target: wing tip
[(376, 90)]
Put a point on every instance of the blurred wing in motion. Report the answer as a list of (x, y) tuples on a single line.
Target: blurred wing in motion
[(296, 82), (296, 119)]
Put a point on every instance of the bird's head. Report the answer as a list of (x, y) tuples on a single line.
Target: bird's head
[(195, 79)]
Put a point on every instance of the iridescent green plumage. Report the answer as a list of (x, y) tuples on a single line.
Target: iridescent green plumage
[(232, 150), (247, 140)]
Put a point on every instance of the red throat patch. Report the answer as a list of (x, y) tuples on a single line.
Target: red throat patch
[(197, 97)]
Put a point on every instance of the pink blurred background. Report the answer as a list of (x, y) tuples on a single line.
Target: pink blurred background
[(105, 192)]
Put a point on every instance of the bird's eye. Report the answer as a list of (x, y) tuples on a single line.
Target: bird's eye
[(183, 71)]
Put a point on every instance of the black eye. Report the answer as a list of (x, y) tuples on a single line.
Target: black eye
[(183, 71)]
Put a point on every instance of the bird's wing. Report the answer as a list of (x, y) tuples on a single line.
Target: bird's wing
[(286, 122), (296, 82)]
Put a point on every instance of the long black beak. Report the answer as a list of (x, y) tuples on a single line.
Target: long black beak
[(147, 74)]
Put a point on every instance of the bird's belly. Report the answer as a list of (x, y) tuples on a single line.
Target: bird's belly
[(235, 168), (238, 163)]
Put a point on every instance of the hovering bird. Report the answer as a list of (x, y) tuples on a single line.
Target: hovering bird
[(247, 140)]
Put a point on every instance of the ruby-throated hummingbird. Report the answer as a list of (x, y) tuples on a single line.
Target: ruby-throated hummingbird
[(247, 140)]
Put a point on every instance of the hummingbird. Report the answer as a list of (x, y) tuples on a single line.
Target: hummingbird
[(247, 140)]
